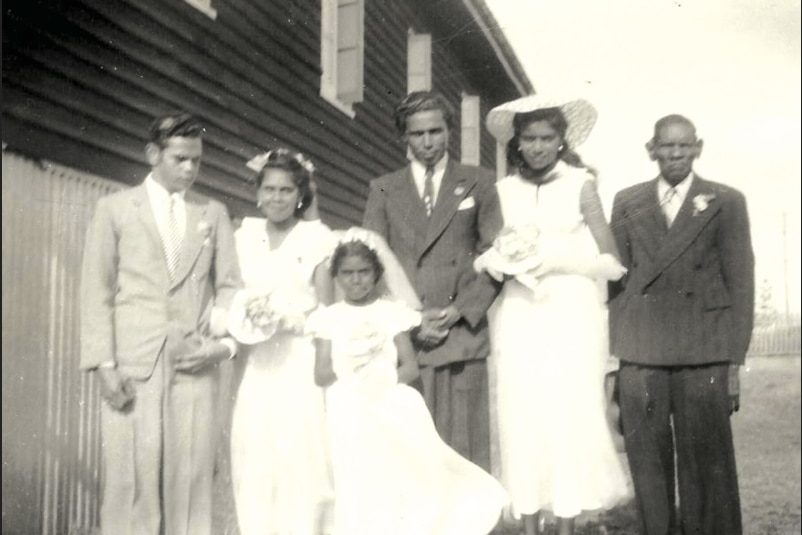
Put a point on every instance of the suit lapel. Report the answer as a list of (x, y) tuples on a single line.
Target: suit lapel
[(144, 212), (453, 190), (195, 234), (687, 226), (407, 201), (647, 219)]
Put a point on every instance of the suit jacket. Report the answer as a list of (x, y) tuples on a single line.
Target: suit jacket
[(437, 253), (688, 298), (130, 309)]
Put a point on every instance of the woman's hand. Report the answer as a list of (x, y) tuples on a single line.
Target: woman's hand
[(208, 354)]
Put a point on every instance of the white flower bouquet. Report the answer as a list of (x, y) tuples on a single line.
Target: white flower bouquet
[(257, 315), (515, 252)]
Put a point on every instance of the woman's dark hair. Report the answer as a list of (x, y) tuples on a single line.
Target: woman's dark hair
[(290, 161), (356, 248), (555, 118)]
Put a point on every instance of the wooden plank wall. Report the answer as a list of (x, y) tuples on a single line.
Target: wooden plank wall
[(83, 79)]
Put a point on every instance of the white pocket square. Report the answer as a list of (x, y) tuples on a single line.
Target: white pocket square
[(466, 203)]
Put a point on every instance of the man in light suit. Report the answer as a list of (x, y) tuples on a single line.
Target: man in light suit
[(438, 216), (159, 272), (681, 324)]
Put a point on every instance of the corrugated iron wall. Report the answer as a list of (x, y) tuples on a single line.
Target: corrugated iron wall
[(51, 443)]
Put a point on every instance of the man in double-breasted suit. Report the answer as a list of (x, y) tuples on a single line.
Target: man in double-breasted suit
[(159, 271), (437, 216), (681, 324)]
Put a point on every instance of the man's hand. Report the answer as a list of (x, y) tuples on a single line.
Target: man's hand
[(430, 332), (116, 390), (442, 319), (208, 354), (734, 387)]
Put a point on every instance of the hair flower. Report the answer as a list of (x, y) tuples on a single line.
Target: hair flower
[(305, 163), (258, 162), (357, 234), (701, 202)]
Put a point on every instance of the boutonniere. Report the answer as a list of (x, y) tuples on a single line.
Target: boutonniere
[(701, 202), (459, 190), (205, 230)]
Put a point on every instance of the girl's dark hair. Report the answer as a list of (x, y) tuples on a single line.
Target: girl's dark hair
[(356, 248), (288, 160), (555, 118)]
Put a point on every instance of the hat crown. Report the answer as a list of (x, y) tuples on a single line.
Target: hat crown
[(580, 115)]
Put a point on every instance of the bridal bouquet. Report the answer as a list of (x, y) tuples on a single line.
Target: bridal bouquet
[(515, 252), (257, 315)]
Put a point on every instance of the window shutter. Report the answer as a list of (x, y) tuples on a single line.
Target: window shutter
[(469, 115), (350, 50), (419, 62), (501, 160)]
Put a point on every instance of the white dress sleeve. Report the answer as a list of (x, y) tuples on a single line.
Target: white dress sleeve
[(397, 317), (318, 324)]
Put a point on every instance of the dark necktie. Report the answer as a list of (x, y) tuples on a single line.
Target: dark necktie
[(428, 191)]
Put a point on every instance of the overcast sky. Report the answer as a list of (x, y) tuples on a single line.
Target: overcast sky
[(731, 66)]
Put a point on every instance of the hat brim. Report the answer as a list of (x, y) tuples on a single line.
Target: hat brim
[(579, 114)]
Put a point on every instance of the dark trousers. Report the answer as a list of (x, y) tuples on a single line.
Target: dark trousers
[(457, 397), (682, 410)]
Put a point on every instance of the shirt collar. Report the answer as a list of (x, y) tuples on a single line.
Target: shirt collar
[(159, 193), (419, 169), (681, 189)]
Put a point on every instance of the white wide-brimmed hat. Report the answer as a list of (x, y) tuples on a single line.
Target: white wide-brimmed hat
[(579, 114)]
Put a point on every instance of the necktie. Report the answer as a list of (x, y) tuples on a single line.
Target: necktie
[(171, 241), (670, 204), (428, 191)]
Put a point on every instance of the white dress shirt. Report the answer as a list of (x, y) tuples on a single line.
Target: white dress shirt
[(159, 202)]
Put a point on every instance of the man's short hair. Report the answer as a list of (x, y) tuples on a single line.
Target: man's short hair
[(421, 101), (174, 125), (674, 118)]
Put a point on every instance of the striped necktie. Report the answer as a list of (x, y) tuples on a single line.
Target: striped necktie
[(172, 239), (428, 191), (670, 205)]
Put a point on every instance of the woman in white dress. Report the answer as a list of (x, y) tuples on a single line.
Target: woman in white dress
[(279, 457), (393, 474), (548, 328)]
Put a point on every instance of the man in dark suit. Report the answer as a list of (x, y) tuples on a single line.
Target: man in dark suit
[(159, 273), (681, 322), (438, 216)]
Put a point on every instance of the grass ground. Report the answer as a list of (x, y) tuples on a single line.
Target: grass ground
[(767, 432)]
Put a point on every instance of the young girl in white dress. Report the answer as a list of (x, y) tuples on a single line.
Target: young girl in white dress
[(392, 473), (549, 328)]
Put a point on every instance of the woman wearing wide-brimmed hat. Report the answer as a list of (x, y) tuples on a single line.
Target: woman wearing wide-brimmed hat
[(548, 328)]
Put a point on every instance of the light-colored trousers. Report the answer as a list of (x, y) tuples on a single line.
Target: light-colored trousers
[(158, 457)]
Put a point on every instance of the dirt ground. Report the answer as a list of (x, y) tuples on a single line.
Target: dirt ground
[(767, 433)]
